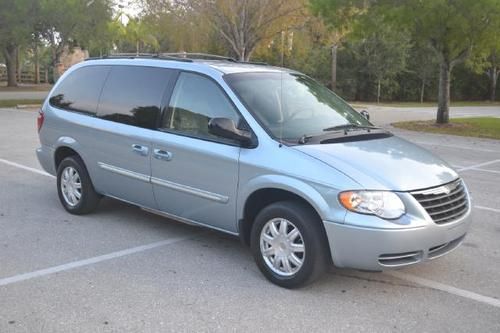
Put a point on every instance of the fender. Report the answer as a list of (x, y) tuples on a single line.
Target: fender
[(69, 142), (293, 185)]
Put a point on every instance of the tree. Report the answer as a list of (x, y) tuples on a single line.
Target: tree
[(454, 30), (71, 22), (180, 27), (424, 64), (493, 72), (246, 23), (384, 49), (16, 25), (488, 62), (339, 17), (306, 48), (138, 32)]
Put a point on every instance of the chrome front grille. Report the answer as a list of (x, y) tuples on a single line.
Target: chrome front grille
[(445, 203)]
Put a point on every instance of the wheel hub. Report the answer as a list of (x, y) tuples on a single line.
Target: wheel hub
[(71, 186), (282, 246)]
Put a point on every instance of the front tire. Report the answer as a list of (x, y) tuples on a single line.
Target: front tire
[(74, 187), (289, 244)]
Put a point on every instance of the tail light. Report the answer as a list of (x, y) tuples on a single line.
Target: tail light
[(40, 119)]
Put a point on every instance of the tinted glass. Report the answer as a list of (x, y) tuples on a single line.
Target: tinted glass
[(132, 95), (80, 90), (195, 100), (291, 105)]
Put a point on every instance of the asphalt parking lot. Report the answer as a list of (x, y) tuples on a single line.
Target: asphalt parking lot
[(122, 269)]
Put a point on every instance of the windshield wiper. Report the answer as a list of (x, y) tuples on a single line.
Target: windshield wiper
[(347, 127), (304, 138)]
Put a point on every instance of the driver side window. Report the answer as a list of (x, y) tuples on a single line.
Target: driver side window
[(195, 100)]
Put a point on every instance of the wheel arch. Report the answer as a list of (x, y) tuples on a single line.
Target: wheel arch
[(65, 147), (266, 190)]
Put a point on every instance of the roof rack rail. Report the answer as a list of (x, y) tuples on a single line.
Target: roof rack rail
[(208, 56), (256, 63), (177, 56), (197, 55), (140, 56)]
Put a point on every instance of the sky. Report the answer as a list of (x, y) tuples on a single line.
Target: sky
[(128, 7)]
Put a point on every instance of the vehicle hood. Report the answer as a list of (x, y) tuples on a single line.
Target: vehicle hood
[(384, 164)]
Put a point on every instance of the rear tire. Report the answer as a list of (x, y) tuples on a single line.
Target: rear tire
[(74, 187), (289, 244)]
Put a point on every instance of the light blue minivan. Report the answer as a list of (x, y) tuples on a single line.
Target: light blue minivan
[(252, 150)]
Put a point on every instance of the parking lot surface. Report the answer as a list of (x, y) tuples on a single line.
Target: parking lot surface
[(121, 269)]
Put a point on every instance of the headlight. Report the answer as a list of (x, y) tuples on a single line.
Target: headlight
[(384, 204)]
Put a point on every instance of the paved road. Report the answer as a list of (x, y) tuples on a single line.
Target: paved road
[(125, 270), (382, 115)]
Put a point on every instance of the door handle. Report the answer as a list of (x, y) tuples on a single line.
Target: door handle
[(141, 150), (162, 154)]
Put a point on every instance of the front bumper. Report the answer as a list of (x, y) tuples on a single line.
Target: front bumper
[(373, 249)]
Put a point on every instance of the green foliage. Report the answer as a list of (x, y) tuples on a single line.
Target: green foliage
[(339, 14), (140, 34), (455, 29), (73, 22), (16, 21), (483, 127)]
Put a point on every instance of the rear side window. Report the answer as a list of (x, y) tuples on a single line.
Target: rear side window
[(80, 90), (132, 95)]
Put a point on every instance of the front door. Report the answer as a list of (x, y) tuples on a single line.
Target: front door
[(194, 173)]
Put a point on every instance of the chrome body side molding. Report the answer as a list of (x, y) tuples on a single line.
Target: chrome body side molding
[(165, 183)]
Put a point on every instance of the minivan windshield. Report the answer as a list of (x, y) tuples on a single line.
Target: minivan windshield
[(291, 105)]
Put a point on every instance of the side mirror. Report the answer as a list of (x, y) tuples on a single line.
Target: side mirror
[(365, 114), (226, 128)]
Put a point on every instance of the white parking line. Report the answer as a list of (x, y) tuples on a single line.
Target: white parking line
[(89, 261), (476, 169), (478, 165), (456, 146), (446, 288), (486, 170), (24, 167), (488, 209)]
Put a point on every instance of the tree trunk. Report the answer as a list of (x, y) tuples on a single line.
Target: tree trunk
[(37, 64), (443, 113), (378, 91), (244, 54), (18, 65), (10, 54), (422, 91), (282, 52), (493, 85), (334, 67)]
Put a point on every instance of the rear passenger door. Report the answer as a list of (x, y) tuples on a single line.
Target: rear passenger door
[(194, 173), (130, 109)]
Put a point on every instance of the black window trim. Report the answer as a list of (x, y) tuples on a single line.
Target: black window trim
[(165, 107)]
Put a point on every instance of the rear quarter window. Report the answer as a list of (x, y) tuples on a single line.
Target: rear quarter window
[(80, 90), (132, 95)]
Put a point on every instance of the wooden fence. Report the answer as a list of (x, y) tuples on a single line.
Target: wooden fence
[(27, 76)]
